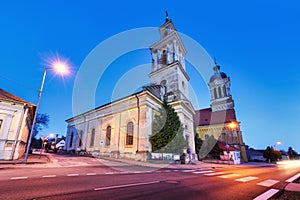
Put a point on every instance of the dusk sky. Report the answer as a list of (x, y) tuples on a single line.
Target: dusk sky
[(255, 42)]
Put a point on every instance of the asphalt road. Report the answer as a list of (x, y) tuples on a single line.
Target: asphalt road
[(101, 182)]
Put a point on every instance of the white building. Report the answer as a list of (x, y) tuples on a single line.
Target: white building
[(15, 122), (122, 128)]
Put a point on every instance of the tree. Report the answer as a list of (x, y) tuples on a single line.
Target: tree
[(198, 143), (210, 146), (292, 153), (42, 121), (167, 131), (272, 154)]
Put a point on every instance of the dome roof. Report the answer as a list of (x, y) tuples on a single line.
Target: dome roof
[(217, 75)]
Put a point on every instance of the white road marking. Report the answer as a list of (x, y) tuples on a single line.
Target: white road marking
[(109, 173), (246, 179), (127, 185), (268, 183), (73, 175), (229, 176), (91, 174), (267, 194), (214, 174), (203, 172), (189, 170), (293, 178), (49, 176), (20, 177), (124, 172)]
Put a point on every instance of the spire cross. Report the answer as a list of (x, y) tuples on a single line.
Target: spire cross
[(167, 16), (215, 60)]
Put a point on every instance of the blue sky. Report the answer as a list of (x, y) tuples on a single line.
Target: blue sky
[(256, 43)]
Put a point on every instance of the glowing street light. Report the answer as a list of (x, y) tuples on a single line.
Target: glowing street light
[(59, 67), (232, 125), (277, 143)]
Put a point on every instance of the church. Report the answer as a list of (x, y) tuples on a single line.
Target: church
[(220, 119), (122, 128)]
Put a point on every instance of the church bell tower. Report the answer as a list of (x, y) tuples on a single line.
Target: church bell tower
[(168, 64), (219, 86), (169, 74)]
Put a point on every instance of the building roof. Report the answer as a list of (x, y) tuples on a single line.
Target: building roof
[(207, 117), (217, 76), (4, 95)]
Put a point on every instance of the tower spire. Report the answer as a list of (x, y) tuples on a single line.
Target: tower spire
[(167, 16)]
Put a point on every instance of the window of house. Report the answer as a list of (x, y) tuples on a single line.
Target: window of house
[(80, 138), (71, 139), (1, 123), (92, 137), (108, 135), (129, 135)]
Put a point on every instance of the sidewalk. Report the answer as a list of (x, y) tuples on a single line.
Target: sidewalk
[(172, 165), (34, 158)]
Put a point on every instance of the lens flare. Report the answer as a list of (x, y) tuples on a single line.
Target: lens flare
[(58, 63)]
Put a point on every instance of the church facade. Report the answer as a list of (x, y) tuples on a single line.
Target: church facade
[(122, 128), (220, 119)]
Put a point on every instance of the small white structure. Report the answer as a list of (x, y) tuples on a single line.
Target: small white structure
[(232, 157), (15, 123)]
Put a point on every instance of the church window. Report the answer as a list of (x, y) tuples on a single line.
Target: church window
[(108, 135), (164, 57), (129, 135), (71, 139), (220, 92), (163, 83), (215, 93), (92, 137), (80, 139), (224, 90)]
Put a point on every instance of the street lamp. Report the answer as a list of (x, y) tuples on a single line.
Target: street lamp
[(59, 67), (231, 126), (51, 135), (278, 143)]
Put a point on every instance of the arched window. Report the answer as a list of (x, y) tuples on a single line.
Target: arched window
[(108, 135), (224, 91), (215, 93), (164, 57), (80, 138), (220, 92), (71, 139), (129, 135), (92, 137)]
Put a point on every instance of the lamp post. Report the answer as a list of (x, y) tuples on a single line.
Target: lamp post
[(278, 143), (231, 126), (58, 67), (51, 135)]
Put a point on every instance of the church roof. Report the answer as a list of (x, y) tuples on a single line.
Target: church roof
[(217, 73), (205, 117), (4, 95)]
